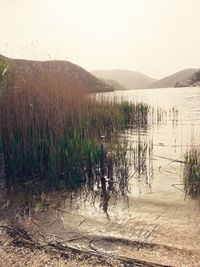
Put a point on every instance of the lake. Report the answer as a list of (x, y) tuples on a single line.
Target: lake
[(171, 137), (156, 222)]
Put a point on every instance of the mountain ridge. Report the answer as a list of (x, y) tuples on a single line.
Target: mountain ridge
[(192, 81), (173, 79), (127, 78), (67, 74)]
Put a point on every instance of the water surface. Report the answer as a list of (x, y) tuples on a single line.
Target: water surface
[(157, 221)]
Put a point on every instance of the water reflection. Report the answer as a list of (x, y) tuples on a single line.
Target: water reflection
[(146, 204), (135, 172), (174, 120), (128, 171), (118, 170)]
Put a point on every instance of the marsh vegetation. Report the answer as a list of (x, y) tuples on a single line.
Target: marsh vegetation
[(53, 137), (81, 158), (192, 173)]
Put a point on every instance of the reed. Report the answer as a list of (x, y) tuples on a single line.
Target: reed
[(192, 173), (51, 134), (134, 114)]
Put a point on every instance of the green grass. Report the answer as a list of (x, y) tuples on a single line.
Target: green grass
[(134, 114), (51, 136), (192, 173)]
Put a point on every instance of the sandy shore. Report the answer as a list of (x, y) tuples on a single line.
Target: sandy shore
[(13, 256)]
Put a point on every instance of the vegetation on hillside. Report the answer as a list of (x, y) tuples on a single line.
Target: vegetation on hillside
[(173, 79), (61, 73), (193, 80), (116, 85)]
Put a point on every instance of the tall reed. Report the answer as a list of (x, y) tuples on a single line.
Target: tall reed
[(192, 173), (51, 133)]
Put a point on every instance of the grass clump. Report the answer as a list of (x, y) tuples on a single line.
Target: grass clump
[(50, 135), (192, 173), (134, 114)]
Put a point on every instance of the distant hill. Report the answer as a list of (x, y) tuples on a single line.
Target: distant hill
[(62, 73), (128, 79), (117, 86), (172, 80), (193, 80)]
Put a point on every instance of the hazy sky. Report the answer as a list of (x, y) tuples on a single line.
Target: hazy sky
[(157, 37)]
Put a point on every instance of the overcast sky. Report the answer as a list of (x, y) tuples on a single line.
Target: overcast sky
[(156, 37)]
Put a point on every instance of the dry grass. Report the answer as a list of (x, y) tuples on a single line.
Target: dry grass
[(50, 132)]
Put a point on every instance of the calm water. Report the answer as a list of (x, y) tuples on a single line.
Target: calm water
[(156, 212), (171, 138)]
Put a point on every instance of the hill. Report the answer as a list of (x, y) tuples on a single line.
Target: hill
[(128, 79), (117, 86), (172, 80), (193, 80), (65, 74)]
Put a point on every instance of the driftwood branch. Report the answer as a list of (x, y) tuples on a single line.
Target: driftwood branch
[(52, 244)]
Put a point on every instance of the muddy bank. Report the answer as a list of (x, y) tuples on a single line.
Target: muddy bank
[(19, 248), (146, 237), (38, 240), (13, 255), (138, 231)]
